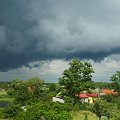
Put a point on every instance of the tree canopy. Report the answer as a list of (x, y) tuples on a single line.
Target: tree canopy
[(99, 109), (25, 89), (115, 78), (76, 78)]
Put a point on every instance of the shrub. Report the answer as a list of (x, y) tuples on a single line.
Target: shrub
[(48, 111), (12, 110), (1, 112)]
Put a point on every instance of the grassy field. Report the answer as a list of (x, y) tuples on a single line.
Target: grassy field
[(81, 116), (3, 92), (5, 97)]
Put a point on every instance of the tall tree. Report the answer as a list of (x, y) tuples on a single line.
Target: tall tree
[(77, 78), (115, 78)]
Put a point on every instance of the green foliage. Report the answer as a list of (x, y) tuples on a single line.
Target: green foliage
[(116, 116), (12, 110), (116, 100), (48, 111), (1, 112), (115, 78), (76, 78), (4, 85), (24, 90), (101, 85), (103, 108), (84, 106), (108, 98), (99, 109), (68, 99), (52, 87)]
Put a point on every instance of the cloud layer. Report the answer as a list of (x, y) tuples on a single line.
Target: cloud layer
[(50, 71), (50, 29)]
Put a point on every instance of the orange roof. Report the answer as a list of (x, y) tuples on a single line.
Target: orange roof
[(108, 92)]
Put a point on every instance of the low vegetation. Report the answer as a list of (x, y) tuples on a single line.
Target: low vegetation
[(81, 115), (32, 99)]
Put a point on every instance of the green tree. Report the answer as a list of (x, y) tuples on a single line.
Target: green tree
[(23, 90), (77, 78), (115, 78), (34, 86), (99, 109), (52, 87), (103, 108), (101, 85)]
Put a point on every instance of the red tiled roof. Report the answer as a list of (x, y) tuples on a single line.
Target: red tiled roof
[(88, 95), (92, 95), (83, 96)]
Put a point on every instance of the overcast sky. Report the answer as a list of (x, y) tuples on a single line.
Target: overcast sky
[(40, 37)]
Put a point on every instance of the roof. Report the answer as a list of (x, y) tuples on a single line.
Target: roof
[(108, 92), (92, 95), (88, 95), (83, 96)]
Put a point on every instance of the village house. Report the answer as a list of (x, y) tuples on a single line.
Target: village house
[(88, 98)]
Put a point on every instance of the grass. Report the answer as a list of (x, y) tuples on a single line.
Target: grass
[(81, 116), (5, 97), (3, 92)]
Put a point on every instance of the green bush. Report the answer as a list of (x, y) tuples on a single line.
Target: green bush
[(12, 110), (68, 99), (116, 116), (108, 98), (48, 111), (1, 112)]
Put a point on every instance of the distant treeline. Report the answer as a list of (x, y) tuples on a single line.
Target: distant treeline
[(106, 85)]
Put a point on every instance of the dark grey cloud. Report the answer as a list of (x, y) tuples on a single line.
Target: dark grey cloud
[(32, 30)]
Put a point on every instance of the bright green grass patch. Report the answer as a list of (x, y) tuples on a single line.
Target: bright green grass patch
[(3, 92), (81, 115), (7, 99), (1, 112), (4, 96)]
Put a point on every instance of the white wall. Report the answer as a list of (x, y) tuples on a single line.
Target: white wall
[(56, 99)]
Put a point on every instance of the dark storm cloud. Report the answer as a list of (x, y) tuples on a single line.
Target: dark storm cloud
[(33, 30)]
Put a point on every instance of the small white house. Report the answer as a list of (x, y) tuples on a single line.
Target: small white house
[(58, 99)]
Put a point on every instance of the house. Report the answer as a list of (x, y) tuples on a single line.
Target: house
[(92, 97), (58, 99), (88, 98), (84, 98)]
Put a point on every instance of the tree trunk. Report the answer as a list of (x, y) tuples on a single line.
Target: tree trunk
[(108, 118), (99, 118)]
